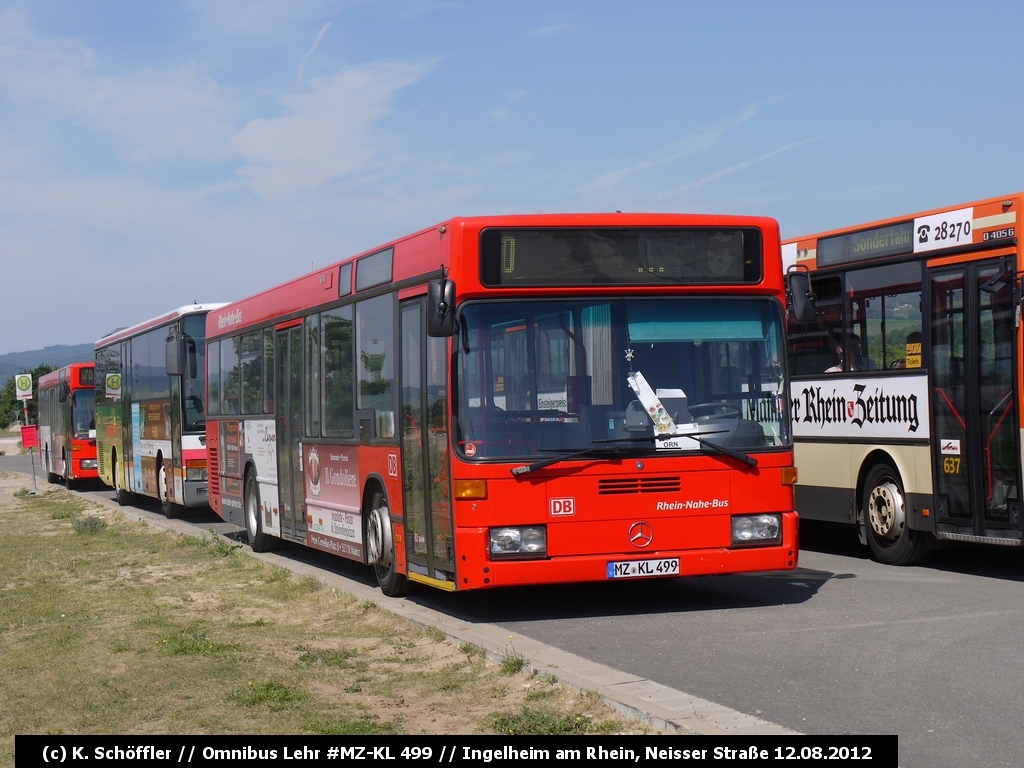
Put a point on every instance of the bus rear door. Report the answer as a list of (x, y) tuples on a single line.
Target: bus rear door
[(973, 395)]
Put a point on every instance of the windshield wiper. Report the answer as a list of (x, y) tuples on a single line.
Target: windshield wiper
[(601, 450), (746, 458)]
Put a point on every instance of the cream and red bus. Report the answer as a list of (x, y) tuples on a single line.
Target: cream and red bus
[(516, 400), (150, 414), (906, 381)]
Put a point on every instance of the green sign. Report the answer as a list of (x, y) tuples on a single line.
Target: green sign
[(113, 386)]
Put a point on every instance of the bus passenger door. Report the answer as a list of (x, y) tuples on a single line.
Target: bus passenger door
[(975, 446), (426, 480), (126, 459), (288, 409)]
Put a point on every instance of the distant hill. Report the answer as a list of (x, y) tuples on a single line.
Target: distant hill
[(61, 354)]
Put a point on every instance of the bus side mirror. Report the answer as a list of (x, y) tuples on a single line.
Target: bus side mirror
[(174, 354), (441, 306), (801, 297), (63, 391)]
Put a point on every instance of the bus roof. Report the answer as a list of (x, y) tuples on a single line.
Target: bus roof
[(154, 322), (426, 251), (63, 373), (988, 217)]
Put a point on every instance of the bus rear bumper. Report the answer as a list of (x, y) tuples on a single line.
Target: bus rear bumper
[(485, 572)]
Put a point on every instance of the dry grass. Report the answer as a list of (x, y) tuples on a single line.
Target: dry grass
[(110, 626)]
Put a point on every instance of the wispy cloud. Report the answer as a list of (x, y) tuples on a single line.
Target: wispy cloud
[(327, 132), (551, 29), (307, 54), (720, 174), (504, 112), (702, 139), (56, 85)]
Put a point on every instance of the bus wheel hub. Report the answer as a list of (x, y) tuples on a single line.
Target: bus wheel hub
[(378, 537), (885, 510)]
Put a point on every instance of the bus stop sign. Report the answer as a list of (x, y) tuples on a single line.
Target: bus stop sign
[(23, 386)]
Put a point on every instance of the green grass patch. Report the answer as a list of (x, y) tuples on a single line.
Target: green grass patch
[(542, 722), (366, 726), (194, 641), (88, 524), (273, 694), (327, 657), (512, 661)]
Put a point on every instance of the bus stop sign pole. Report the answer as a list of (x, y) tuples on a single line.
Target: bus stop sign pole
[(29, 433)]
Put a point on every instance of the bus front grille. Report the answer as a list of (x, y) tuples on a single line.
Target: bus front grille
[(623, 485)]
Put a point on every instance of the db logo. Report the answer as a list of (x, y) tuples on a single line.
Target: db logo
[(563, 507), (850, 408), (393, 464)]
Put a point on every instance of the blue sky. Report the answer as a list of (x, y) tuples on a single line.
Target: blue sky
[(153, 154)]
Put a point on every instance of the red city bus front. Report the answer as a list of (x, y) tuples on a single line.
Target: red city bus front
[(569, 398)]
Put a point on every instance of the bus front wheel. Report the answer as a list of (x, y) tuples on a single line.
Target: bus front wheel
[(380, 547), (258, 540), (885, 516)]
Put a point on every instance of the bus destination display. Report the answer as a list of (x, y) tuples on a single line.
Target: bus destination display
[(620, 256)]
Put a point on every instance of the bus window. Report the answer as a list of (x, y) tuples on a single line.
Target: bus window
[(375, 324), (338, 364), (814, 346)]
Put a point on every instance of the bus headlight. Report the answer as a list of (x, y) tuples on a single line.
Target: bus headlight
[(88, 463), (754, 530), (195, 470), (524, 541)]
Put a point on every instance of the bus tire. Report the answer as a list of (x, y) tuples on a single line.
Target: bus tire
[(51, 476), (380, 547), (123, 497), (69, 480), (169, 509), (885, 521), (258, 540)]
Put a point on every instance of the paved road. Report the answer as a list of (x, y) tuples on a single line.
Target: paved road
[(842, 645)]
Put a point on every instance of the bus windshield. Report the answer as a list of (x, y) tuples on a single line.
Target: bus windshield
[(193, 328), (83, 412), (542, 377)]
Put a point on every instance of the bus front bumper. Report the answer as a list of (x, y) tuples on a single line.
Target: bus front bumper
[(482, 571)]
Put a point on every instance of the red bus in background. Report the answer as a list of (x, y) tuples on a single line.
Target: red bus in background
[(516, 400), (67, 424)]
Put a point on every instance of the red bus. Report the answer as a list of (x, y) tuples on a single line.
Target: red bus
[(906, 377), (67, 424), (516, 400)]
